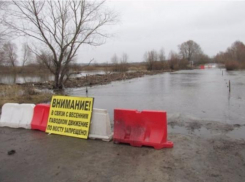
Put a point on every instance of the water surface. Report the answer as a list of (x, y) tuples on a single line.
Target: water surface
[(200, 94), (41, 77)]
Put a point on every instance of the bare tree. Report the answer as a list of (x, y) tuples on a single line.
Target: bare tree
[(124, 63), (237, 51), (1, 57), (27, 56), (124, 58), (9, 55), (3, 29), (114, 59), (150, 58), (115, 63), (174, 59), (61, 27), (162, 55), (189, 50), (233, 57), (1, 25), (45, 60), (202, 59), (106, 68), (120, 65), (2, 32)]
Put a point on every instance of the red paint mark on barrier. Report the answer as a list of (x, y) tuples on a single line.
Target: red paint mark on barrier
[(40, 117), (146, 128)]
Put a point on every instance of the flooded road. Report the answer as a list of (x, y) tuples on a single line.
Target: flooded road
[(195, 95), (205, 122)]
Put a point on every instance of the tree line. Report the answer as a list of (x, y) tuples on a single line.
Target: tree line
[(190, 55), (56, 30), (233, 57)]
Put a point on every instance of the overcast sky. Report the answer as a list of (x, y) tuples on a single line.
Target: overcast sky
[(147, 25)]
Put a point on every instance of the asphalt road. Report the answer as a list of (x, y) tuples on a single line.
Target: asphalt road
[(42, 157)]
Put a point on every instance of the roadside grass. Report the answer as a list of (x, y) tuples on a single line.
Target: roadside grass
[(22, 94)]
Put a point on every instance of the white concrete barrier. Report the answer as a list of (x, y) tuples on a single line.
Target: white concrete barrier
[(8, 117), (27, 114), (17, 115), (100, 127)]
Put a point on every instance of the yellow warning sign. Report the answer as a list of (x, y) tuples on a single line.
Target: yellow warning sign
[(70, 116)]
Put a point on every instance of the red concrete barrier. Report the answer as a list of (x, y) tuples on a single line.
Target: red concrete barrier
[(202, 67), (40, 117), (148, 128)]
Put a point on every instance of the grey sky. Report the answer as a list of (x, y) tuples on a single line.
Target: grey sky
[(147, 25)]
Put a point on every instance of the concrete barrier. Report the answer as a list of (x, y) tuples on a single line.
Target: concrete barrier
[(30, 116), (17, 115), (100, 127), (146, 128), (40, 117)]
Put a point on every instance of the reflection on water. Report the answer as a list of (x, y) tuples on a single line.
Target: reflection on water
[(200, 93), (84, 73), (26, 78)]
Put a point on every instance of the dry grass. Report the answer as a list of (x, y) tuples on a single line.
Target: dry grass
[(110, 67), (22, 94), (139, 67)]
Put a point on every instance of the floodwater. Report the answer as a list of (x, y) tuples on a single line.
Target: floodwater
[(26, 78), (189, 94)]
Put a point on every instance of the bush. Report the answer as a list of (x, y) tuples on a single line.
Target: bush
[(231, 65), (120, 67), (157, 65), (177, 64), (242, 65)]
